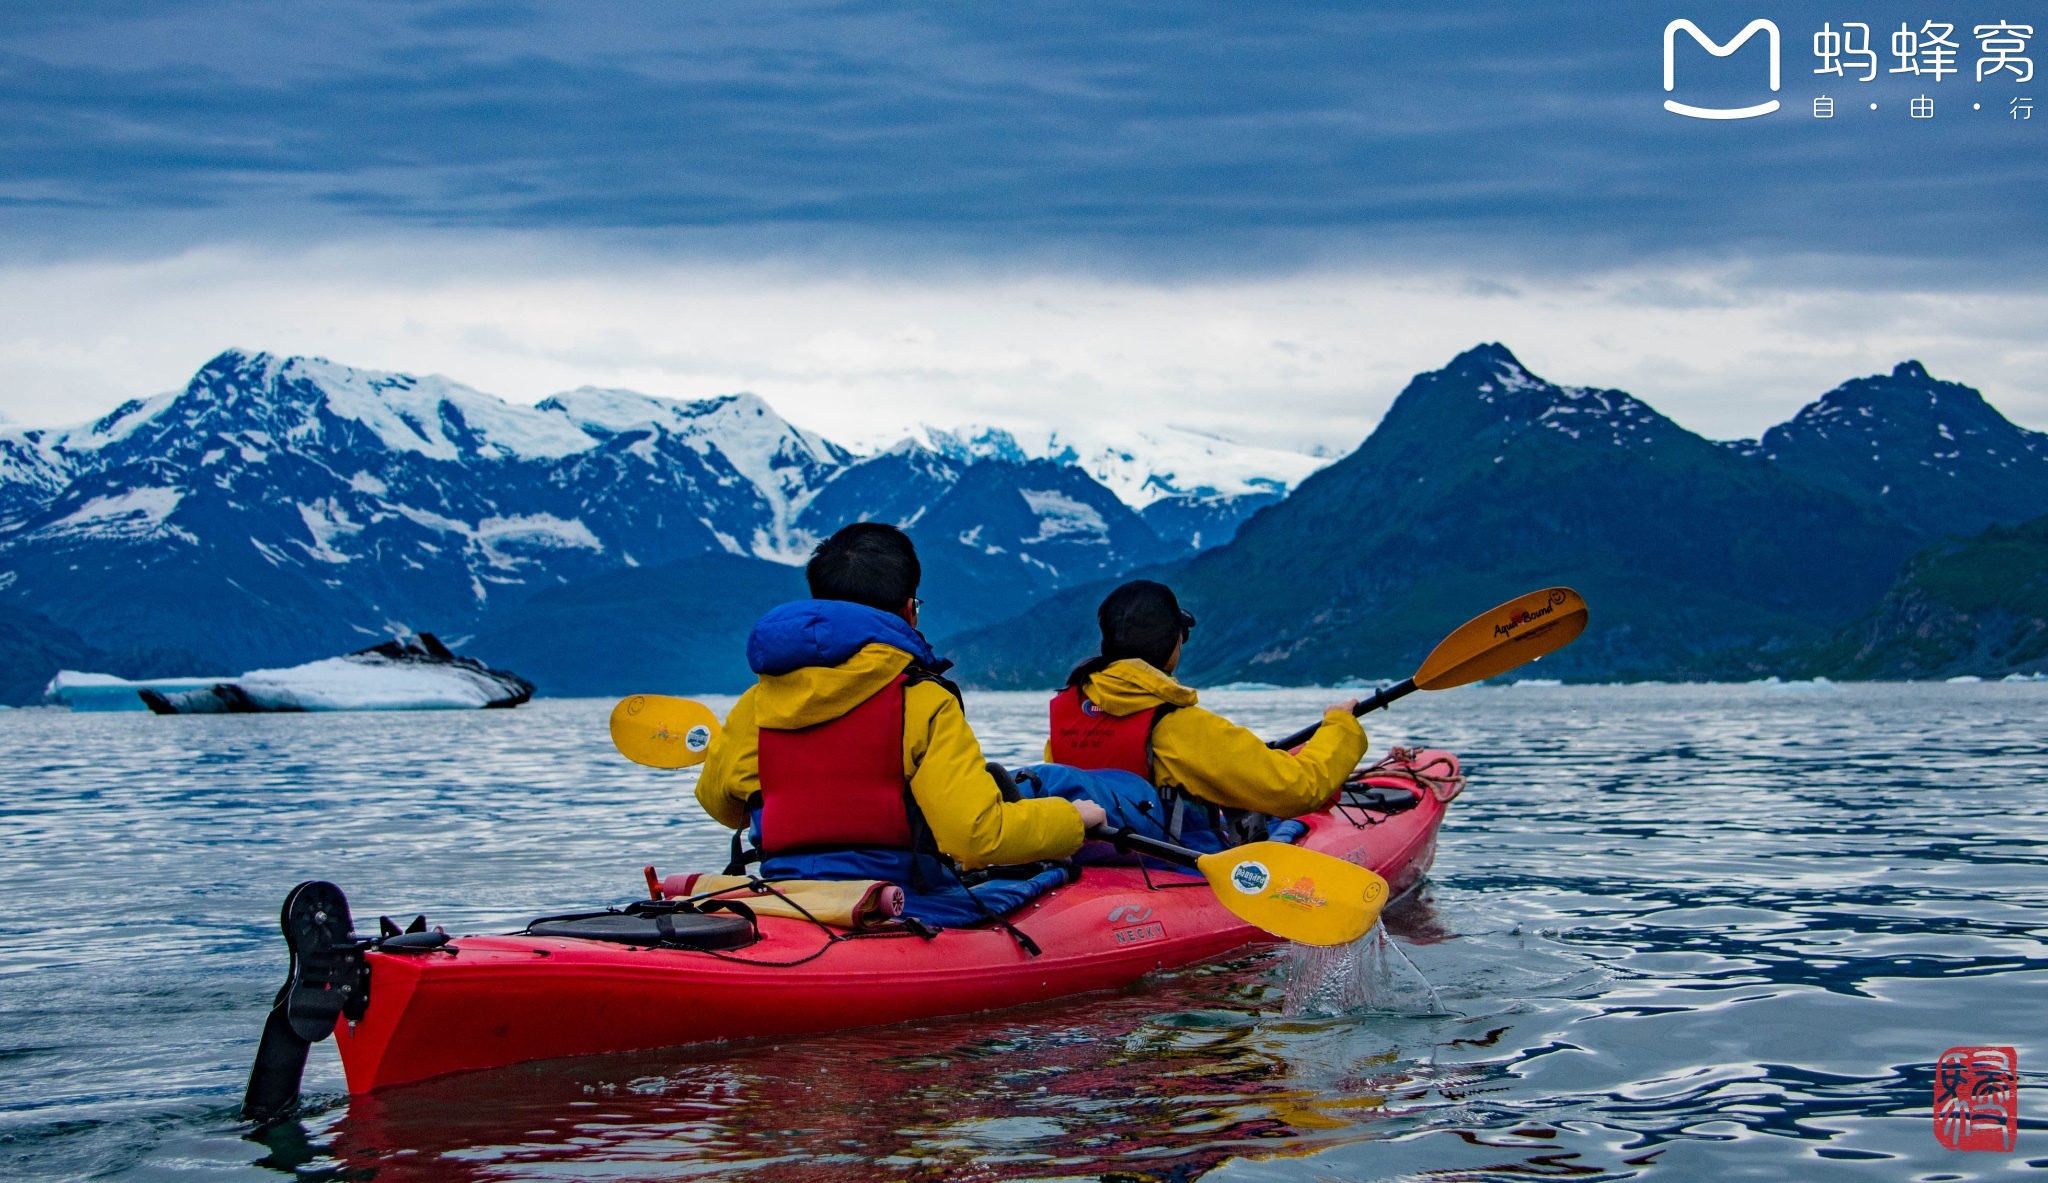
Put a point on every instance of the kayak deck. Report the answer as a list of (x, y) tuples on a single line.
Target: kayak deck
[(488, 1001)]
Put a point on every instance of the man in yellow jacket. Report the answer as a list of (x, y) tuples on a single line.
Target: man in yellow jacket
[(851, 758), (1124, 710)]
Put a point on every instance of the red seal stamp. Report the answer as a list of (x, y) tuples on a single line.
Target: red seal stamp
[(1977, 1098)]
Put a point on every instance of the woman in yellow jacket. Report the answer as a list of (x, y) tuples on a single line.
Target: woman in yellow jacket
[(1123, 709)]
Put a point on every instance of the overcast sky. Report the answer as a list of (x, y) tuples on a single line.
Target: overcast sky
[(1256, 220)]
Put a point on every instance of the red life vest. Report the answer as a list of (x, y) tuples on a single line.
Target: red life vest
[(1084, 736), (839, 783)]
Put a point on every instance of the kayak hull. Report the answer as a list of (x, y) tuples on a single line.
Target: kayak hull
[(497, 1000)]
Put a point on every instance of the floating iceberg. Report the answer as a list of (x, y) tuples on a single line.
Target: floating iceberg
[(2025, 678), (1247, 686), (1964, 680), (1538, 681), (417, 675), (105, 692), (1775, 683)]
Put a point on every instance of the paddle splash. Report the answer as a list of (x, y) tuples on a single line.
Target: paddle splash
[(1369, 974)]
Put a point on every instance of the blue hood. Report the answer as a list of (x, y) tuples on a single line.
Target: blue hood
[(826, 632)]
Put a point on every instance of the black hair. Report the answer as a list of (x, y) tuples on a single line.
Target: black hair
[(870, 563), (1141, 619)]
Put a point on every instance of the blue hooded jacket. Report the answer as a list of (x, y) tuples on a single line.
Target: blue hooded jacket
[(806, 633)]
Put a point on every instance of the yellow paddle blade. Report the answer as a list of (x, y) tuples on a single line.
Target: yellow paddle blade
[(663, 732), (1516, 633), (1295, 893)]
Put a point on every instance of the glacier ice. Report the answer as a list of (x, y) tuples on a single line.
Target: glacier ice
[(393, 676)]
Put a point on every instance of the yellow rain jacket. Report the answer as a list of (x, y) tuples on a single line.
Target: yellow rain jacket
[(1224, 764), (941, 758)]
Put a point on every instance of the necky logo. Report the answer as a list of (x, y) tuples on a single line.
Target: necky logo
[(1129, 913), (1720, 51)]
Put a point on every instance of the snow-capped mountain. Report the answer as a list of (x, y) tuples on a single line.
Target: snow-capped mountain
[(1140, 467), (786, 465), (745, 471), (1007, 533), (898, 486), (1189, 486), (1157, 464), (31, 476), (969, 445), (280, 509)]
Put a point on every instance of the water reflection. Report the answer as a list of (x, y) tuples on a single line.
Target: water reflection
[(1163, 1082)]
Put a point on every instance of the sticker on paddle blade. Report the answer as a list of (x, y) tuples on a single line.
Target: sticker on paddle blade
[(1301, 893), (1250, 878), (663, 732)]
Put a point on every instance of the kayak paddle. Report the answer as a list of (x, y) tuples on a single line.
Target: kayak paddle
[(1298, 894), (663, 732), (1514, 634)]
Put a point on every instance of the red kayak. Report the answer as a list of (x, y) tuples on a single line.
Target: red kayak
[(488, 1001)]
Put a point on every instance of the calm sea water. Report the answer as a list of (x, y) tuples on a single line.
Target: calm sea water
[(1676, 933)]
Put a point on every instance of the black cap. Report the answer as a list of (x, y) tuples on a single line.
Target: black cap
[(1143, 619)]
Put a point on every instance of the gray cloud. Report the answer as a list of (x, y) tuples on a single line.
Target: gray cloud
[(1200, 137)]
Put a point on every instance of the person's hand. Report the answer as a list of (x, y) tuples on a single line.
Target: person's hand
[(1091, 814), (1349, 706)]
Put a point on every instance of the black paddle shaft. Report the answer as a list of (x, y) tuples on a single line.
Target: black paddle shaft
[(1379, 699), (1130, 843)]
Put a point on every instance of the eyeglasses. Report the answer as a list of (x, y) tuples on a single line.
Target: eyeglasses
[(916, 604), (1187, 622)]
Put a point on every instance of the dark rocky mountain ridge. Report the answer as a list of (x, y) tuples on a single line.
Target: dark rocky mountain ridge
[(1483, 480), (1930, 453), (33, 647)]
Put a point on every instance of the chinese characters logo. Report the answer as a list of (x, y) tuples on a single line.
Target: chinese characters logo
[(1854, 52), (1977, 1098)]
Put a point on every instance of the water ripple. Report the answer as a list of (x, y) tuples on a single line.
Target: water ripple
[(1681, 932)]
